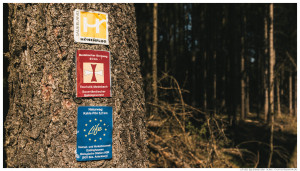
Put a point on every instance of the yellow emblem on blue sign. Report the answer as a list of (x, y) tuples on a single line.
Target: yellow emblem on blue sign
[(94, 133)]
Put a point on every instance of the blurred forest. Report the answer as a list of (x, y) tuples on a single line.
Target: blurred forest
[(220, 83)]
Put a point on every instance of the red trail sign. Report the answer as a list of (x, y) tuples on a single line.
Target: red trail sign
[(93, 73)]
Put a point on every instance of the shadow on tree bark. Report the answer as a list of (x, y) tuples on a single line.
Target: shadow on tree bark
[(5, 73)]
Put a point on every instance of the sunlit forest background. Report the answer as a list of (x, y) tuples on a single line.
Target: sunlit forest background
[(220, 83)]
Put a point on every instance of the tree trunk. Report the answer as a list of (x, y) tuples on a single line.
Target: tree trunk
[(246, 69), (247, 99), (242, 117), (147, 62), (266, 87), (271, 84), (278, 97), (215, 83), (290, 93), (205, 83), (234, 61), (154, 57), (42, 118), (272, 63), (295, 95)]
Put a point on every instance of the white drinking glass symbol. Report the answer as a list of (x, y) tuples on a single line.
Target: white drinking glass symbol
[(94, 73), (86, 25)]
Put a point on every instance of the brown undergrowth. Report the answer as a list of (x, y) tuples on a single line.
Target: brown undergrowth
[(180, 135)]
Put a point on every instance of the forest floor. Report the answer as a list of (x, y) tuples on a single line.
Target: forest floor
[(212, 143), (180, 135), (252, 137)]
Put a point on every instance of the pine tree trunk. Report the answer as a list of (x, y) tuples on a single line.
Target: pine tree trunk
[(278, 97), (295, 96), (272, 63), (290, 93), (247, 105), (271, 84), (242, 117), (147, 64), (266, 73), (246, 69), (154, 58), (42, 119), (215, 83), (205, 83)]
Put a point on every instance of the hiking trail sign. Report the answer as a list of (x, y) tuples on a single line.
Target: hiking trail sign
[(94, 133), (93, 73), (91, 27)]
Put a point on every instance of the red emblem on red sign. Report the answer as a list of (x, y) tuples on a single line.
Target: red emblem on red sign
[(93, 73)]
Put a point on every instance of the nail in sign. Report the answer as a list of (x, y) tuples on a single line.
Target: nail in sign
[(93, 73)]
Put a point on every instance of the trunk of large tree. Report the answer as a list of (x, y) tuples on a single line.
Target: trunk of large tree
[(41, 123)]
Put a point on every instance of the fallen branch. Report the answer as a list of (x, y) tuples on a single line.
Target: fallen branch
[(169, 156), (198, 161), (291, 59), (155, 123)]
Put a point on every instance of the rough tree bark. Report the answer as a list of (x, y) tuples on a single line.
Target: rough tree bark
[(42, 119)]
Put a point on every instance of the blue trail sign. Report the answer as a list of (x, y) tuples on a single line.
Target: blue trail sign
[(94, 133)]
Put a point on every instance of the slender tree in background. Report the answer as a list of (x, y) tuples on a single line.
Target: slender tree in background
[(148, 45), (247, 90), (272, 62), (266, 72), (295, 95), (205, 84), (290, 93), (243, 73), (154, 57), (246, 65), (271, 82), (215, 100), (40, 126), (278, 96)]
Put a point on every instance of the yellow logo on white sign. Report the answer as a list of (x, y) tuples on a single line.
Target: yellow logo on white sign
[(91, 27)]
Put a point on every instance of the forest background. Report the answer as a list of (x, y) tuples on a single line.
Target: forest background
[(220, 82)]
